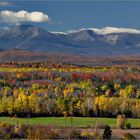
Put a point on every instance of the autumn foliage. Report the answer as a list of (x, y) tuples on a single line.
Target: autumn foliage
[(50, 89)]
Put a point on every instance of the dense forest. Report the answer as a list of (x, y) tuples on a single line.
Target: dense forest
[(50, 89)]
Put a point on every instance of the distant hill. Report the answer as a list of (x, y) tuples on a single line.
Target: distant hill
[(85, 42), (22, 56)]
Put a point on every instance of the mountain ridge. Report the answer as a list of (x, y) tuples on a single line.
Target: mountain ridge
[(82, 42)]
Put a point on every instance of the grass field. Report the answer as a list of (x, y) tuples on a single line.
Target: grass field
[(66, 122)]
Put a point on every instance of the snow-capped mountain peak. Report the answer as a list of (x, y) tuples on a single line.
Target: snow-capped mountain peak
[(91, 41)]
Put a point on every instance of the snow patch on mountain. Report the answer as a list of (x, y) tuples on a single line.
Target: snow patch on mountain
[(62, 33)]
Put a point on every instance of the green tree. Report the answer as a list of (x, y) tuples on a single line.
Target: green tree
[(107, 132)]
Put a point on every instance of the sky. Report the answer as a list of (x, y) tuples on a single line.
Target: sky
[(68, 15)]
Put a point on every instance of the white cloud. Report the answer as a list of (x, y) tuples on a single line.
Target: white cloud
[(23, 16), (2, 3), (108, 30)]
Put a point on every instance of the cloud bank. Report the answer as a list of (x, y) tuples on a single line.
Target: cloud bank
[(107, 30), (23, 16)]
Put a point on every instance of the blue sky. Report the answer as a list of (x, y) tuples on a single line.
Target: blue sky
[(68, 15)]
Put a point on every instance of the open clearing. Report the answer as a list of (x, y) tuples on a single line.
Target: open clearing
[(66, 122)]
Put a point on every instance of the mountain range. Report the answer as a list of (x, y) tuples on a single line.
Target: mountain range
[(88, 42)]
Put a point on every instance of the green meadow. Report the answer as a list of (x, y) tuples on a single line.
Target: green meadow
[(67, 122)]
